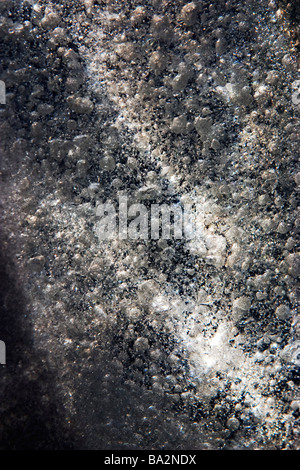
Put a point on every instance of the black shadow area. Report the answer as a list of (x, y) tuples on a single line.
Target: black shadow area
[(31, 417)]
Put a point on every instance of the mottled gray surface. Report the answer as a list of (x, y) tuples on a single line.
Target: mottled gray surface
[(148, 344)]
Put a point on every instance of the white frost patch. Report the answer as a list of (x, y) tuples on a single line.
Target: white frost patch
[(201, 233), (291, 353), (214, 350), (160, 304), (214, 353), (210, 355)]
